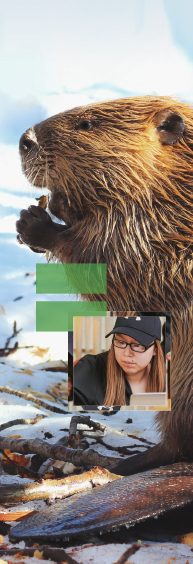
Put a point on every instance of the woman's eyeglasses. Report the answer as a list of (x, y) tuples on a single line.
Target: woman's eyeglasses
[(136, 347)]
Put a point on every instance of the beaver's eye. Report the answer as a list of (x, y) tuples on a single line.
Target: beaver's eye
[(85, 125)]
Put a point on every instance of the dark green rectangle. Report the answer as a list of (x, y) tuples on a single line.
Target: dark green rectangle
[(71, 278), (58, 316)]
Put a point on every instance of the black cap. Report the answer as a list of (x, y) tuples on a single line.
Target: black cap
[(143, 329)]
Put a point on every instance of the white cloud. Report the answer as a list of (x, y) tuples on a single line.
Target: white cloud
[(7, 224), (17, 202), (11, 174)]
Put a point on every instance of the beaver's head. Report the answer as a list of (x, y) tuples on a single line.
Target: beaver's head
[(124, 168)]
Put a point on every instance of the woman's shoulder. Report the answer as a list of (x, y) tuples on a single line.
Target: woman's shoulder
[(92, 361), (90, 377)]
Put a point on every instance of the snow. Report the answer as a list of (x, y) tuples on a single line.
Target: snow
[(23, 370), (151, 553)]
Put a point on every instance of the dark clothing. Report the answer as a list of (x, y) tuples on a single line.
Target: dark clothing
[(70, 342), (90, 380)]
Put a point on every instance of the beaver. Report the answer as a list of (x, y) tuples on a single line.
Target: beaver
[(120, 175)]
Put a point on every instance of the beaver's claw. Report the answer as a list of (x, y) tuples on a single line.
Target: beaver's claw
[(37, 230)]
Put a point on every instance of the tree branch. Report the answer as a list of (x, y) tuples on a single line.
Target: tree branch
[(30, 397), (57, 452), (21, 422), (128, 552), (45, 552)]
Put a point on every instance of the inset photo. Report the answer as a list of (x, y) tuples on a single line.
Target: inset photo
[(121, 361)]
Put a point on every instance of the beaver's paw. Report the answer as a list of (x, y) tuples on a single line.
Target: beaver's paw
[(36, 229)]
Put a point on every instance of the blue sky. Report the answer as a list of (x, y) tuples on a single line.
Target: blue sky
[(180, 15), (54, 52)]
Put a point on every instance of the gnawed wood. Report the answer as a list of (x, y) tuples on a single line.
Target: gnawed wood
[(52, 489)]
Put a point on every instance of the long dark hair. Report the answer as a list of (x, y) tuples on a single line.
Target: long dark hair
[(115, 390)]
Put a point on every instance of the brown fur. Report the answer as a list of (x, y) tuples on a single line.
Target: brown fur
[(124, 189), (177, 426), (126, 197)]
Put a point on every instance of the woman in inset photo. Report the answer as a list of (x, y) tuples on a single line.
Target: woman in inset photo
[(134, 364)]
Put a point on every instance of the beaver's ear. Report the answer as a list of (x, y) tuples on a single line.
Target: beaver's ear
[(170, 128)]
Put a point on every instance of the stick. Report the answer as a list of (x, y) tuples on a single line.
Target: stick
[(21, 422), (55, 554), (74, 441), (128, 553), (15, 333), (9, 350), (85, 420), (52, 489), (19, 469), (57, 452), (121, 450), (30, 397)]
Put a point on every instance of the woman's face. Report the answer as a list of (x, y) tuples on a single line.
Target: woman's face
[(130, 361)]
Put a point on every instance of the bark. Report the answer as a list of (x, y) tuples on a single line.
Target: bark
[(30, 397), (84, 420), (8, 350), (57, 452), (74, 441), (21, 422), (128, 552), (19, 468), (55, 554), (52, 489)]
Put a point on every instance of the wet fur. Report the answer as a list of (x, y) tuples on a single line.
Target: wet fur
[(177, 426), (124, 190)]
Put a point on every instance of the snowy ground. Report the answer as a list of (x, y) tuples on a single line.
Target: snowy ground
[(23, 370)]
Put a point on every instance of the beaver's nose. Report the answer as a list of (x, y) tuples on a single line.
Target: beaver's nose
[(28, 141)]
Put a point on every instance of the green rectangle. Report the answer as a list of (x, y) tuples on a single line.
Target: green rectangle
[(71, 278), (58, 316)]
